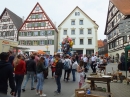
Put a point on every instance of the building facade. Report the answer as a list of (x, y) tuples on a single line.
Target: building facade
[(38, 32), (83, 31), (103, 48), (116, 42), (9, 26)]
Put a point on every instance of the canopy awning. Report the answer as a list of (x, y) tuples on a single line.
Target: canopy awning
[(122, 5)]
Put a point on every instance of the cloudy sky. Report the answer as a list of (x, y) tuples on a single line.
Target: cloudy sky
[(57, 10)]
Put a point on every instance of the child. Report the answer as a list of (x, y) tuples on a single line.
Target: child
[(80, 74)]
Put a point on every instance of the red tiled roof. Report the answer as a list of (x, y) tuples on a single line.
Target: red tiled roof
[(100, 43), (122, 5)]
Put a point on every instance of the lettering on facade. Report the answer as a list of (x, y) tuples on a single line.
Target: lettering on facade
[(10, 43)]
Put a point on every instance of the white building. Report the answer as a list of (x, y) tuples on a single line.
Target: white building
[(38, 32), (82, 29)]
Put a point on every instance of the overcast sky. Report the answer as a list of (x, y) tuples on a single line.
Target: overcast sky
[(58, 10)]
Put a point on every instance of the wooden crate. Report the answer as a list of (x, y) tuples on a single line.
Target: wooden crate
[(80, 93)]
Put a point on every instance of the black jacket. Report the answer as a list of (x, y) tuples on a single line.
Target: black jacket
[(41, 67), (6, 73), (59, 67), (31, 65)]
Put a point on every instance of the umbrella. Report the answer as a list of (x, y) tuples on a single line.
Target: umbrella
[(40, 52)]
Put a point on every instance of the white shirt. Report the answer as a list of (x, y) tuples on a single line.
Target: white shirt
[(85, 59), (94, 58), (74, 65)]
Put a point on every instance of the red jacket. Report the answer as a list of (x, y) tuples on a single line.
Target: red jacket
[(20, 68)]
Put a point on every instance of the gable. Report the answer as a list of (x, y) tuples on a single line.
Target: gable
[(77, 9), (38, 20)]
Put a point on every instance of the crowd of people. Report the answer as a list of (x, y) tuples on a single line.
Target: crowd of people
[(36, 67)]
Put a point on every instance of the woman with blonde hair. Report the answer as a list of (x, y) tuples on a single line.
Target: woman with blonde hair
[(80, 73), (40, 77)]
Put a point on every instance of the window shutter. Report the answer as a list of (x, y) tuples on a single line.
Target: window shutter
[(24, 42), (19, 33), (25, 33), (52, 32), (45, 42), (31, 33), (38, 33), (45, 33), (52, 42), (31, 42), (44, 24), (38, 42), (37, 16), (19, 43), (39, 24)]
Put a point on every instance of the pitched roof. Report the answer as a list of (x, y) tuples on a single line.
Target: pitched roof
[(45, 15), (15, 18), (122, 5), (81, 11)]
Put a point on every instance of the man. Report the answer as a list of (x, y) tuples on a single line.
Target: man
[(122, 60), (11, 57), (68, 65), (93, 64), (58, 73), (6, 73), (31, 72), (47, 62), (77, 58), (85, 60)]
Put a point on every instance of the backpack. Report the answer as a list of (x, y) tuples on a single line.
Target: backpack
[(66, 65)]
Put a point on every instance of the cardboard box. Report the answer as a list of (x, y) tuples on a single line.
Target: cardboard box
[(80, 93)]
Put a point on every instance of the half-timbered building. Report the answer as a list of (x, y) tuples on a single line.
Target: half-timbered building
[(116, 41), (38, 31)]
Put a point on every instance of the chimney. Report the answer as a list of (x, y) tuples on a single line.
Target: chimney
[(23, 19)]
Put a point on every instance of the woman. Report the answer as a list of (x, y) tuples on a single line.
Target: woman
[(40, 77), (53, 65), (19, 71), (74, 67), (80, 73)]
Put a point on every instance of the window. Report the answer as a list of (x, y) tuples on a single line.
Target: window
[(33, 16), (89, 41), (73, 41), (49, 32), (0, 34), (35, 42), (76, 13), (29, 34), (119, 16), (81, 22), (42, 42), (11, 26), (81, 41), (73, 22), (89, 31), (4, 26), (81, 31), (43, 24), (49, 42), (3, 33), (42, 33), (28, 42), (124, 39), (22, 42), (37, 8), (12, 33), (72, 32), (22, 33), (29, 25), (35, 33), (36, 24), (65, 32), (40, 16)]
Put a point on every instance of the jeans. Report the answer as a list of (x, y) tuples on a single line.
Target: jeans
[(18, 80), (58, 84), (93, 66), (40, 79), (73, 74), (29, 74), (68, 72)]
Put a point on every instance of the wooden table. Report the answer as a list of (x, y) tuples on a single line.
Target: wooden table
[(99, 80)]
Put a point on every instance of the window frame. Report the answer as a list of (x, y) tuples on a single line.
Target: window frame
[(89, 43), (72, 22), (82, 31), (34, 33), (88, 30), (80, 22), (72, 30), (80, 41)]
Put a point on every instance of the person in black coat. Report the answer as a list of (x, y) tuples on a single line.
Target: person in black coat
[(58, 73), (6, 73), (31, 72)]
